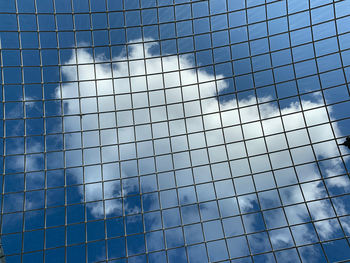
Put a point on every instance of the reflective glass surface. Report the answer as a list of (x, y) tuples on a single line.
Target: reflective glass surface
[(175, 130)]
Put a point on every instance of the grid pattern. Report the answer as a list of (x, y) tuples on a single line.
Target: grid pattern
[(175, 130)]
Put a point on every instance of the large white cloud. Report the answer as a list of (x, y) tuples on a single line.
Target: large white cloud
[(163, 101)]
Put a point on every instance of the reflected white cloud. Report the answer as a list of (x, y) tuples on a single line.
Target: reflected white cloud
[(114, 109)]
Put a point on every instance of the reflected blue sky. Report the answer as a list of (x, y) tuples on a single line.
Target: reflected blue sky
[(155, 149)]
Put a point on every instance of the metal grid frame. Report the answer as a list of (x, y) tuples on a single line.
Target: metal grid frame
[(187, 133)]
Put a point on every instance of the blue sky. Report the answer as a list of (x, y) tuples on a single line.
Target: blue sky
[(178, 140)]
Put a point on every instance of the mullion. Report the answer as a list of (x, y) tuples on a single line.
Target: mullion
[(24, 127), (187, 136), (261, 126), (168, 126), (221, 124), (44, 131), (283, 132), (186, 132)]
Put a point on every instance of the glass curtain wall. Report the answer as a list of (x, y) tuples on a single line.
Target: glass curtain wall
[(175, 131)]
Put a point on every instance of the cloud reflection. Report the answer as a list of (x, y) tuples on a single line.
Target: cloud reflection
[(165, 104)]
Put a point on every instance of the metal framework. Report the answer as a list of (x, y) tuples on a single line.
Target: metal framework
[(175, 130)]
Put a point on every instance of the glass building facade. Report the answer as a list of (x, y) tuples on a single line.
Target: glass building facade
[(175, 130)]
